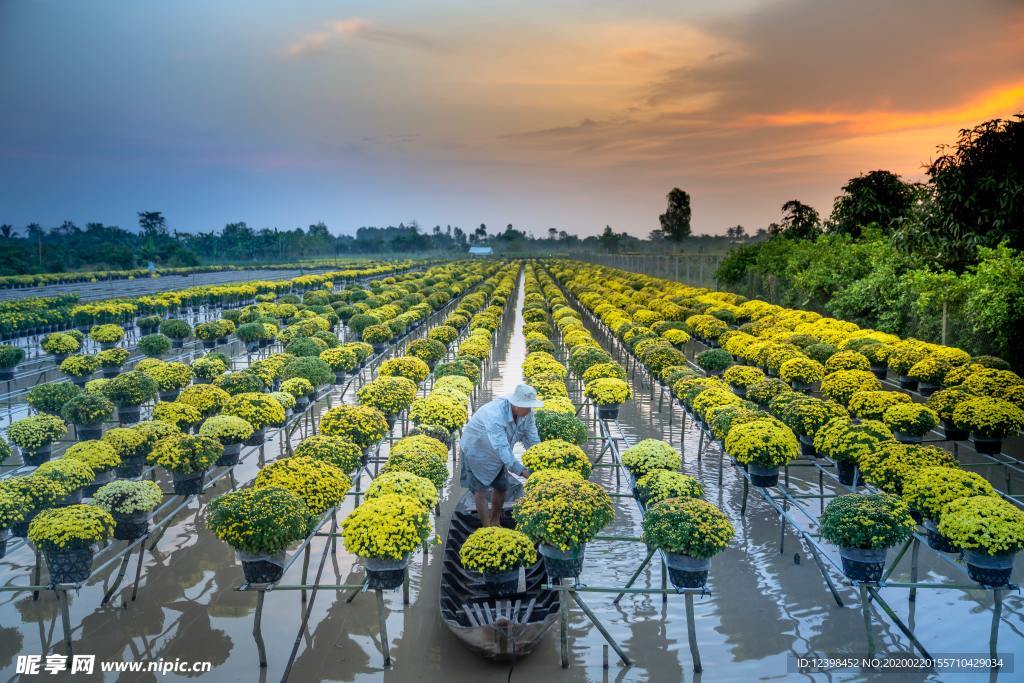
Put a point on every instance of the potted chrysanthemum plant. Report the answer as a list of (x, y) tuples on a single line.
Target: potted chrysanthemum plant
[(131, 504), (498, 554), (690, 531)]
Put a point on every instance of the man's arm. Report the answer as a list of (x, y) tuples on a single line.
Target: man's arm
[(499, 442)]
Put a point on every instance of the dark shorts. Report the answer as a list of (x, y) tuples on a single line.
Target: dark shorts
[(470, 481)]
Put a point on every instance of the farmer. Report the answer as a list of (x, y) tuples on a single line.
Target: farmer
[(487, 448)]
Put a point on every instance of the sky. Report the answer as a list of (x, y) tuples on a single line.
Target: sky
[(571, 114)]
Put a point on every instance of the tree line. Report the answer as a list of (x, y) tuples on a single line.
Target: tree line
[(940, 260), (96, 246)]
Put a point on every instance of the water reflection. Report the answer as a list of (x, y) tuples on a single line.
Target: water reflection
[(762, 606)]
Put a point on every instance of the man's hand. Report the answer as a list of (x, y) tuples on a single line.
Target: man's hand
[(525, 474)]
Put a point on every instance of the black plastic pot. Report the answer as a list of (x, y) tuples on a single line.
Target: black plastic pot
[(110, 373), (908, 383), (6, 374), (230, 456), (69, 566), (763, 476), (562, 565), (171, 395), (992, 571), (987, 445), (339, 377), (863, 565), (190, 484), (880, 371), (130, 468), (89, 432), (926, 389), (258, 437), (937, 541), (847, 471), (101, 479), (20, 529), (73, 498), (385, 574), (502, 584), (129, 415), (130, 527), (807, 445), (4, 535), (954, 433), (38, 456), (906, 437), (608, 412), (379, 347), (384, 579), (687, 572), (261, 571)]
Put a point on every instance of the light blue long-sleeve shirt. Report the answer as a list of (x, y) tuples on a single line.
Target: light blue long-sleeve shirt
[(488, 438)]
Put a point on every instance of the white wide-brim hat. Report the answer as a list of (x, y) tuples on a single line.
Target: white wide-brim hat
[(525, 396)]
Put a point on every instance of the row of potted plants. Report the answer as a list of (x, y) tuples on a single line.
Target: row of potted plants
[(677, 521), (132, 392), (355, 267), (47, 314), (689, 530), (498, 553), (603, 379), (857, 424), (185, 456), (394, 520), (840, 357), (188, 456)]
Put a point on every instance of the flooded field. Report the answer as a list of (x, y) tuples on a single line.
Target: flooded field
[(91, 291), (764, 606)]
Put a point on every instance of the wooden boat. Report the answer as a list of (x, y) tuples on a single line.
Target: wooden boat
[(497, 628)]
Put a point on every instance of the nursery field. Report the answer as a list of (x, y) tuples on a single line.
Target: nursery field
[(259, 472), (142, 284)]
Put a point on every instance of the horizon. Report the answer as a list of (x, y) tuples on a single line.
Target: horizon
[(570, 117)]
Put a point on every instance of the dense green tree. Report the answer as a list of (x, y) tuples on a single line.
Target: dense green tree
[(152, 223), (609, 239), (675, 222), (737, 232), (799, 221), (977, 196), (877, 197)]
